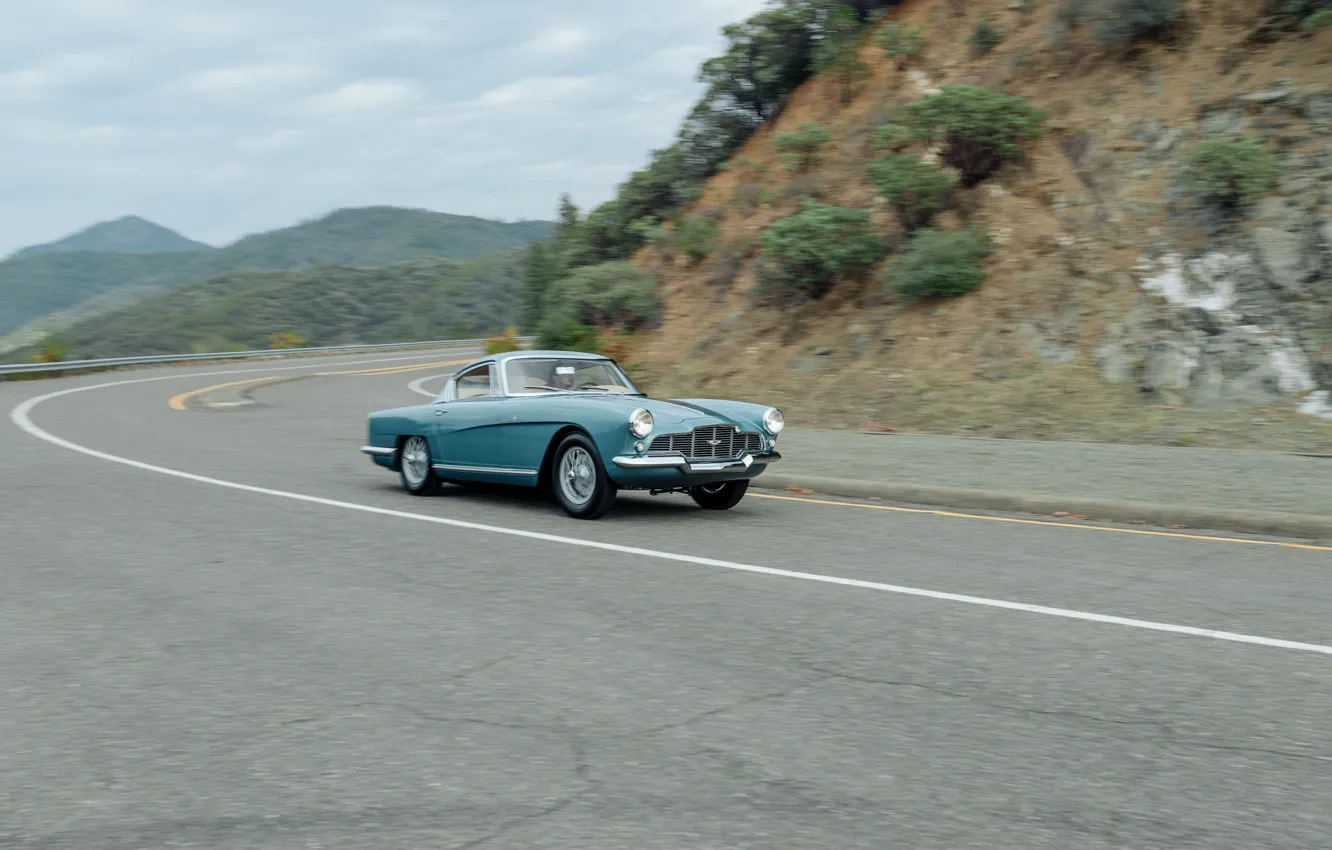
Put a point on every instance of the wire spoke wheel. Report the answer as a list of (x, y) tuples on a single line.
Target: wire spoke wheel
[(578, 477), (416, 468), (415, 460)]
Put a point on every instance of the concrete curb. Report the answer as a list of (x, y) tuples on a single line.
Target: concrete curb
[(1273, 523)]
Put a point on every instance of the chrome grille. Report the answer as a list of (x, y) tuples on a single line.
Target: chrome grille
[(709, 442)]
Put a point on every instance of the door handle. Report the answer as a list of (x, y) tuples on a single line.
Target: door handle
[(439, 413)]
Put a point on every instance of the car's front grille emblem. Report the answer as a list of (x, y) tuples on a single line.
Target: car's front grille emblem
[(709, 442)]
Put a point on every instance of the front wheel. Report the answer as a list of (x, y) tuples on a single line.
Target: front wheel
[(720, 497), (581, 484), (416, 469)]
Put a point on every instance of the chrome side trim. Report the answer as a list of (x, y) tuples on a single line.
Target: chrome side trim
[(483, 470), (379, 451), (678, 461)]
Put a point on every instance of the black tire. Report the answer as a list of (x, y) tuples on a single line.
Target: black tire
[(720, 497), (409, 465), (587, 471)]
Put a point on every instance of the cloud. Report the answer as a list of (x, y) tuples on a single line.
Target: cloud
[(224, 117), (364, 96), (269, 142), (248, 80), (556, 40), (546, 91), (57, 74)]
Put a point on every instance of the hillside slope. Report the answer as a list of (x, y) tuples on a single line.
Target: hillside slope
[(81, 284), (129, 234), (324, 305), (1117, 304)]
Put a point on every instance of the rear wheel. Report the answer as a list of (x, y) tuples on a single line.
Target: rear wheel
[(416, 469), (720, 497), (579, 480)]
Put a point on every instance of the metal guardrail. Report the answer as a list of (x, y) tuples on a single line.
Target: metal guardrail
[(151, 359)]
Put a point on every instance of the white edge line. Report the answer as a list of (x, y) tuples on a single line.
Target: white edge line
[(20, 416), (415, 386)]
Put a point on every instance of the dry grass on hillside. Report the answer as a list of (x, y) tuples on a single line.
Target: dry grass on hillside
[(1016, 357)]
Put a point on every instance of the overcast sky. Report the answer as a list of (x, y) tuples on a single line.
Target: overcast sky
[(224, 117)]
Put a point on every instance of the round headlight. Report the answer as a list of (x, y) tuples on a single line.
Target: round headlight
[(772, 420), (640, 422)]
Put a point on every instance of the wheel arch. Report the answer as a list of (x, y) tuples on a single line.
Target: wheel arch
[(548, 459), (398, 440)]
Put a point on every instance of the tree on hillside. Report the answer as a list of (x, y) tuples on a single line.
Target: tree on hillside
[(838, 52), (980, 129), (566, 226), (807, 252), (917, 190), (615, 295), (766, 58), (539, 271)]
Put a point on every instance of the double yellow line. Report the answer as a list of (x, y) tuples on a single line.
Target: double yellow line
[(177, 402), (393, 370)]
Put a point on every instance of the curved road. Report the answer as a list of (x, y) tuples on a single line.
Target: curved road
[(227, 629)]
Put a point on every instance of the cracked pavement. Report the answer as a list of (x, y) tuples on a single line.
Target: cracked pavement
[(186, 666)]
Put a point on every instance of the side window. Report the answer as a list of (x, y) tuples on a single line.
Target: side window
[(474, 384)]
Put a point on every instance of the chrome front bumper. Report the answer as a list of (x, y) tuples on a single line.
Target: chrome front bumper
[(679, 462), (379, 451)]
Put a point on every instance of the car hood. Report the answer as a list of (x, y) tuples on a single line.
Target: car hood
[(663, 412), (674, 411)]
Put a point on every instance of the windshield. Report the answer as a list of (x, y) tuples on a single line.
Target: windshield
[(539, 375)]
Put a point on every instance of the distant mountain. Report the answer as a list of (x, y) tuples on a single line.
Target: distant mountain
[(325, 305), (73, 285), (127, 235)]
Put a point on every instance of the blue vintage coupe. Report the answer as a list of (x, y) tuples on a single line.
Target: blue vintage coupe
[(576, 424)]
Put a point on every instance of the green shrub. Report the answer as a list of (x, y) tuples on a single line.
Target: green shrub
[(984, 37), (1123, 21), (800, 146), (980, 129), (937, 264), (1299, 9), (567, 335), (286, 339), (617, 294), (696, 236), (507, 341), (916, 189), (809, 251), (1317, 21), (891, 137), (53, 350), (900, 42), (1232, 171)]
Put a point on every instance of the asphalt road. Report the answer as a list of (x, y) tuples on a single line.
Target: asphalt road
[(187, 664)]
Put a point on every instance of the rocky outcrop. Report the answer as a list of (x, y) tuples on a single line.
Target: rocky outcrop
[(1247, 319)]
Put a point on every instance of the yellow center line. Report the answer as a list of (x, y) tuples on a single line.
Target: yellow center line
[(393, 370), (177, 402), (1045, 522)]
